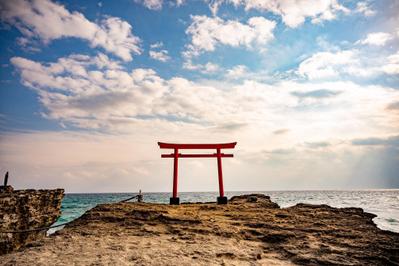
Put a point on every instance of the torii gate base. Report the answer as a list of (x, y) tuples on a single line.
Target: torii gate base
[(222, 200), (174, 200)]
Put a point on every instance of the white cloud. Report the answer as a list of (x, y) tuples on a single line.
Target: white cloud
[(326, 64), (151, 4), (97, 93), (90, 93), (392, 65), (353, 63), (208, 68), (157, 53), (157, 4), (206, 33), (376, 38), (161, 55), (237, 72), (156, 45), (180, 2), (293, 13), (365, 9), (47, 21)]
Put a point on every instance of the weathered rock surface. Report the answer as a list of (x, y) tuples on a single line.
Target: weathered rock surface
[(26, 209), (250, 230)]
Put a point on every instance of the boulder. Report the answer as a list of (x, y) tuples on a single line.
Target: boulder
[(24, 210)]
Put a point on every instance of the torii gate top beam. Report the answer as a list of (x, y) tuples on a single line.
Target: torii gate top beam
[(164, 145)]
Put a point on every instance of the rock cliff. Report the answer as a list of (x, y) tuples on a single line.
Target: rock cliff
[(26, 209)]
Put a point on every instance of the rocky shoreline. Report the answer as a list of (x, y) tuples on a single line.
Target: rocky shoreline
[(249, 230)]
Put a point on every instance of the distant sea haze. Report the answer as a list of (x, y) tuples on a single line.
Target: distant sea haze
[(383, 203)]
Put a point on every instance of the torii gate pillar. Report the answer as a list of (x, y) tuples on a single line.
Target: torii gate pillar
[(175, 200)]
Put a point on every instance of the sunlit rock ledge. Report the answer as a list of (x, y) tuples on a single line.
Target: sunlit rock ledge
[(249, 230)]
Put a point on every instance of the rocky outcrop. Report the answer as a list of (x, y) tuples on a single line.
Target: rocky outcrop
[(22, 210), (249, 230), (6, 189)]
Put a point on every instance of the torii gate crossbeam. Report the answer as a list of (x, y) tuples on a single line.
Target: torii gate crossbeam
[(174, 200)]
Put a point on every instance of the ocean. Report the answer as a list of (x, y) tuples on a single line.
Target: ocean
[(383, 203)]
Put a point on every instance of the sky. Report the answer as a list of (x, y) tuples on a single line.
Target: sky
[(308, 89)]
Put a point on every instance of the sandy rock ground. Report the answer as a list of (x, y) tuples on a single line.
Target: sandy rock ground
[(250, 230)]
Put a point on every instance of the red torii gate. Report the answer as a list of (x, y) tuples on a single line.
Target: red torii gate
[(176, 155)]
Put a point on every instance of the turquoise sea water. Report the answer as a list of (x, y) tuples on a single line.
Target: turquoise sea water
[(383, 203)]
